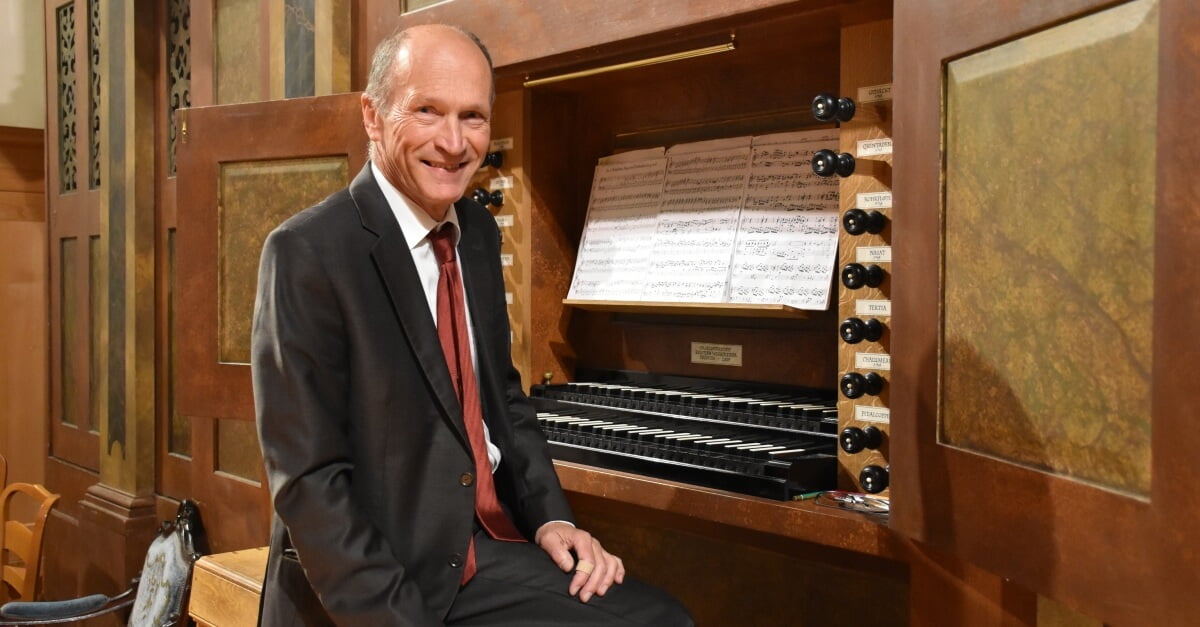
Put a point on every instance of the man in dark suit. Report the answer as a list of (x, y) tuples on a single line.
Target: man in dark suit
[(386, 514)]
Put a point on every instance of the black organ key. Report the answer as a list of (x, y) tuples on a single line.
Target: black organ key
[(826, 163), (494, 159), (855, 440), (827, 108), (874, 479)]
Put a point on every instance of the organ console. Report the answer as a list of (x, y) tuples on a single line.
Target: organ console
[(773, 441)]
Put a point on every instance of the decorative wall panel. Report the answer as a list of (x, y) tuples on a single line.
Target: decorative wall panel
[(254, 198), (1049, 246), (68, 325), (67, 107), (179, 70), (94, 93), (238, 45)]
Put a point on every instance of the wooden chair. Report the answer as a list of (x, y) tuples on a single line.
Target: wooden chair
[(157, 597), (21, 541)]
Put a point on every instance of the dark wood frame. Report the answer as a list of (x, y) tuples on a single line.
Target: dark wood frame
[(1122, 559)]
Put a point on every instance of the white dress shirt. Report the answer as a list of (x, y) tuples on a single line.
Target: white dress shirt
[(416, 226)]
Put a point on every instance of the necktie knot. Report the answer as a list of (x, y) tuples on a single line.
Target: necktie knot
[(442, 239)]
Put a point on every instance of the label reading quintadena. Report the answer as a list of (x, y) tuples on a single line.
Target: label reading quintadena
[(504, 143), (875, 93), (506, 259), (866, 413), (874, 254), (873, 308), (717, 354), (501, 182), (874, 147), (872, 361), (875, 200), (504, 221), (508, 298)]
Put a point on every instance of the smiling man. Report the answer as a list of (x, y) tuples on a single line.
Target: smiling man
[(411, 482)]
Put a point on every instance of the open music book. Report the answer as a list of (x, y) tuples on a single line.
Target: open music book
[(739, 220)]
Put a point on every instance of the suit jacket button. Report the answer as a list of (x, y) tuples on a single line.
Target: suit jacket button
[(466, 479), (456, 561)]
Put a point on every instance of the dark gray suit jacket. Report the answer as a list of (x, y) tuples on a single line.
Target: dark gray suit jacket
[(361, 431)]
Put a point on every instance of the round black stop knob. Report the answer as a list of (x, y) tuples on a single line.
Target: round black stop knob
[(856, 275), (483, 197), (826, 162), (855, 330), (827, 108), (874, 479), (494, 159), (854, 440), (854, 384), (856, 221)]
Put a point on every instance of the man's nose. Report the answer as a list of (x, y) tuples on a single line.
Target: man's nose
[(450, 136)]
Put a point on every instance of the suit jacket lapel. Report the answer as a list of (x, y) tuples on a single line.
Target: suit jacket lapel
[(399, 276)]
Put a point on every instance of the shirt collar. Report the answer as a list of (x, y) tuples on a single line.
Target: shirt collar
[(414, 223)]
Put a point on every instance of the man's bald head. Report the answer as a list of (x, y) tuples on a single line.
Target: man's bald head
[(383, 64)]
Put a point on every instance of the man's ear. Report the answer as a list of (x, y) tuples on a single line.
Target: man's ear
[(370, 117)]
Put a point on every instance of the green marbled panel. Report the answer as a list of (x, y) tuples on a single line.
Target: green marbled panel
[(255, 197), (238, 49), (179, 430), (96, 300), (237, 451), (1048, 248), (299, 48), (68, 323)]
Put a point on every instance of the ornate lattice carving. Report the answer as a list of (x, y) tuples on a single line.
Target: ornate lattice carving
[(179, 70), (65, 17), (94, 90)]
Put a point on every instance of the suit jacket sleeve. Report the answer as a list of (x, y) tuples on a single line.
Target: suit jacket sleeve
[(300, 372)]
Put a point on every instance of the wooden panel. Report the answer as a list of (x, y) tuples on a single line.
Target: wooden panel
[(226, 587), (226, 475), (1024, 256), (1121, 559), (866, 62)]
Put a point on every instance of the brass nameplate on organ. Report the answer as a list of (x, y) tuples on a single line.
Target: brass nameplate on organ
[(717, 354)]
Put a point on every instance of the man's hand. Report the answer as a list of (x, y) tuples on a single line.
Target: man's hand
[(595, 569)]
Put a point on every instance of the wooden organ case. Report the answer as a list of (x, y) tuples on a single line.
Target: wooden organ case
[(575, 86)]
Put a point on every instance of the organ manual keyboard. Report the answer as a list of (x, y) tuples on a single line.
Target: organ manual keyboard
[(761, 439)]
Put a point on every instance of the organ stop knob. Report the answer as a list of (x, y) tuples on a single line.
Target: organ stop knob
[(856, 221), (855, 330), (826, 163), (856, 275), (874, 479), (854, 440), (827, 108), (481, 196), (854, 384)]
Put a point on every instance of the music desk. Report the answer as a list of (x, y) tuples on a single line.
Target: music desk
[(226, 588)]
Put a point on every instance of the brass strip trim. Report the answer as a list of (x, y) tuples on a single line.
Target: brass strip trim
[(629, 65)]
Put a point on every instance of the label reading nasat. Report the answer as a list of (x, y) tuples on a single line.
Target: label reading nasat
[(501, 182), (873, 361), (506, 259), (873, 254), (504, 143), (875, 93), (717, 354), (873, 307), (504, 221), (874, 200), (874, 147), (866, 413)]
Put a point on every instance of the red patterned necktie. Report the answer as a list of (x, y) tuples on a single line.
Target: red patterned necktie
[(456, 346)]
